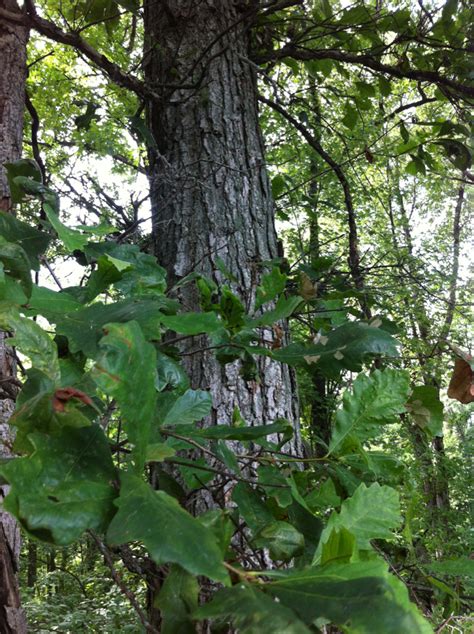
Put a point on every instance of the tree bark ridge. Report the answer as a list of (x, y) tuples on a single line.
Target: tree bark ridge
[(13, 39)]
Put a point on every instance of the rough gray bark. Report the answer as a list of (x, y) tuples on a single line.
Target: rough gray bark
[(210, 192), (209, 186), (13, 40)]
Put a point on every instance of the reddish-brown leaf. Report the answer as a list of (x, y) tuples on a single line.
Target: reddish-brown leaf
[(368, 155), (461, 386), (65, 394), (278, 337)]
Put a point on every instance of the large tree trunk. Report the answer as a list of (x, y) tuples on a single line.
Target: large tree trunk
[(13, 40), (210, 191), (209, 186)]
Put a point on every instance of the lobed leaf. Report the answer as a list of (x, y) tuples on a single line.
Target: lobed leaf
[(375, 400), (359, 597), (371, 513), (345, 347), (192, 406), (251, 611), (65, 487), (126, 370), (169, 533), (426, 409), (31, 240)]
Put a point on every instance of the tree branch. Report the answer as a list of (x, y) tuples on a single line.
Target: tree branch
[(407, 106), (455, 267), (35, 123), (354, 258), (32, 20), (125, 590), (305, 54)]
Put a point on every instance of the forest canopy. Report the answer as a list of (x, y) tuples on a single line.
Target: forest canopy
[(236, 316)]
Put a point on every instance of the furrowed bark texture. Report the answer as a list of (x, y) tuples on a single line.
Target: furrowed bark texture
[(209, 187), (13, 40)]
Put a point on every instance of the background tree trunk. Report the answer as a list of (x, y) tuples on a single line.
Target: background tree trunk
[(13, 39), (32, 571), (209, 186)]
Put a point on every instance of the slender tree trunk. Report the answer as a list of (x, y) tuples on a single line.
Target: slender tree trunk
[(32, 571), (320, 409), (209, 187), (433, 459), (51, 560), (13, 39), (90, 555)]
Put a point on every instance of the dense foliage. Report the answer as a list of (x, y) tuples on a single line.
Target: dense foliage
[(367, 528)]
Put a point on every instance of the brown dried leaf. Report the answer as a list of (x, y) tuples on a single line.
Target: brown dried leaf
[(461, 386), (278, 337), (65, 394), (308, 290), (368, 155)]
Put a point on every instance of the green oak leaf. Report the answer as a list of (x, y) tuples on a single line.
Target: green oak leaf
[(83, 327), (169, 373), (282, 539), (32, 341), (284, 307), (346, 347), (191, 406), (462, 567), (278, 185), (323, 496), (126, 370), (373, 401), (271, 285), (359, 597), (24, 168), (159, 451), (192, 323), (71, 238), (220, 523), (65, 487), (51, 305), (177, 599), (137, 274), (426, 409), (170, 533), (226, 432), (371, 513), (340, 547), (251, 611), (251, 507), (16, 264), (38, 414), (104, 274), (308, 524), (276, 484), (31, 240)]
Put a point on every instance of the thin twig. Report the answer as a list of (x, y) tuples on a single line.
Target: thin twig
[(124, 589), (44, 261)]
